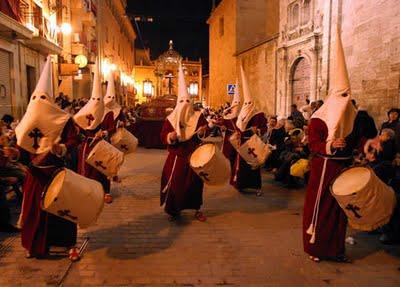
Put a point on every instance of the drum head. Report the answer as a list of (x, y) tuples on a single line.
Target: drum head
[(54, 188), (352, 180), (202, 155)]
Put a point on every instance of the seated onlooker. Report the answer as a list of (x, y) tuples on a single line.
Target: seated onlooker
[(293, 151), (380, 156), (275, 137), (297, 117)]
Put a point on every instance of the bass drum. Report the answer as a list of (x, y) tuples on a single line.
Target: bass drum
[(210, 164), (74, 198), (367, 201)]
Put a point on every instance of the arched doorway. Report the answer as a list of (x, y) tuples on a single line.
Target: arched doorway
[(300, 80)]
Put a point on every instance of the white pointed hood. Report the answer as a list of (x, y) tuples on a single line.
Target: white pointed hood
[(110, 102), (338, 112), (249, 108), (91, 114), (233, 111), (43, 122), (183, 118)]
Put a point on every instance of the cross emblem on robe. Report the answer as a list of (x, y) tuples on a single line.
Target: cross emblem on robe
[(36, 134), (354, 209), (124, 147), (66, 213), (204, 175), (90, 118), (99, 163), (251, 152)]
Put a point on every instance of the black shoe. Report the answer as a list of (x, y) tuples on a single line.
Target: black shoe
[(9, 229)]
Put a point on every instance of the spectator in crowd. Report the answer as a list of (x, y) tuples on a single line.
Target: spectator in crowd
[(306, 110), (293, 151), (393, 119), (297, 117), (275, 137)]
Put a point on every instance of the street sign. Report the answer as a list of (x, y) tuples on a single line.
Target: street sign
[(231, 89)]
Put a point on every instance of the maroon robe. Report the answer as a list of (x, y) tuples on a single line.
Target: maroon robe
[(228, 150), (331, 221), (186, 187), (40, 230), (108, 124), (244, 175)]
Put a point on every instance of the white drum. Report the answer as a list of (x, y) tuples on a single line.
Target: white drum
[(210, 165), (74, 198), (367, 201), (106, 158), (124, 141), (254, 151)]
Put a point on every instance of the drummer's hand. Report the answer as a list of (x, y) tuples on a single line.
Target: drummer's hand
[(99, 134), (339, 143), (57, 149), (173, 136), (202, 130)]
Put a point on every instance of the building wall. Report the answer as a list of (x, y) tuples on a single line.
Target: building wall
[(259, 66), (222, 52), (116, 45), (371, 42), (250, 34), (372, 46), (251, 19)]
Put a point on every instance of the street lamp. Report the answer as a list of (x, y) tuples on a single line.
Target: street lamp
[(194, 89)]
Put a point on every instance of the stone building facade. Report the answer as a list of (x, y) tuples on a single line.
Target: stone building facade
[(296, 63)]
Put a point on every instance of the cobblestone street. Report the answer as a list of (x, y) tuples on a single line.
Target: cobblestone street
[(246, 241)]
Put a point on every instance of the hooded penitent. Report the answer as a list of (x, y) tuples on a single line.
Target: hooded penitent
[(249, 108), (338, 112), (110, 102), (232, 112), (91, 115), (44, 121), (183, 118)]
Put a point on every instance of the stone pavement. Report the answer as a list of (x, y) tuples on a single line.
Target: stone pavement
[(247, 241)]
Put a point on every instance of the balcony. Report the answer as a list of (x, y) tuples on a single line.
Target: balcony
[(13, 29), (46, 36)]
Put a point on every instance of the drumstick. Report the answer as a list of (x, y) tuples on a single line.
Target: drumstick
[(81, 250)]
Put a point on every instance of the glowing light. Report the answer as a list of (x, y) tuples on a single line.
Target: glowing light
[(194, 89), (66, 28)]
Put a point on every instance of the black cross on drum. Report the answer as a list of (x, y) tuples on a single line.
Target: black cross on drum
[(124, 147), (99, 163), (204, 176), (36, 134), (66, 213), (354, 209), (90, 118), (250, 151)]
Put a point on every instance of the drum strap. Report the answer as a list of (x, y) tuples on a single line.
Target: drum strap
[(313, 225), (166, 188)]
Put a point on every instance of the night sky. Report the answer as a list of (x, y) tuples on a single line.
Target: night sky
[(183, 21)]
